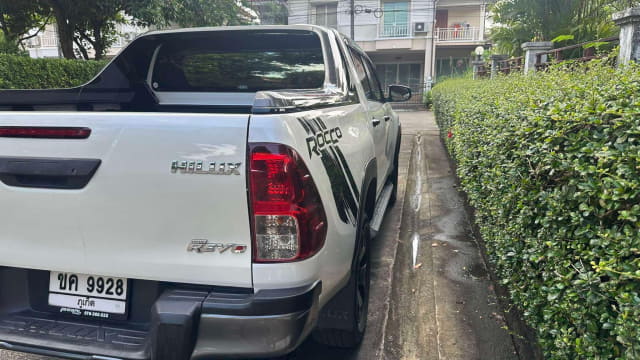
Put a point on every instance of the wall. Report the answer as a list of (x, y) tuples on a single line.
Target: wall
[(463, 14), (366, 23)]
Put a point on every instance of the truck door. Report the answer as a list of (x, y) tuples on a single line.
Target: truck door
[(376, 114), (390, 120)]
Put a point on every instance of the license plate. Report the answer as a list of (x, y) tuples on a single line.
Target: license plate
[(89, 295)]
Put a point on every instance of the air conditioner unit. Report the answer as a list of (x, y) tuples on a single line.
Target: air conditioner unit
[(130, 36), (419, 27)]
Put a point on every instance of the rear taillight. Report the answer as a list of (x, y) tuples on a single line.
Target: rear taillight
[(41, 132), (289, 222)]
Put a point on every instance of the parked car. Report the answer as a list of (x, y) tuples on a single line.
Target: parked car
[(212, 193)]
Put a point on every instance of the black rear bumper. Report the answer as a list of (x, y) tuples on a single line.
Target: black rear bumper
[(165, 322)]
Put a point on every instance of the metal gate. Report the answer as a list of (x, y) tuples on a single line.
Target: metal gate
[(417, 98)]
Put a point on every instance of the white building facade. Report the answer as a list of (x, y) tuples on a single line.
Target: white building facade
[(411, 41)]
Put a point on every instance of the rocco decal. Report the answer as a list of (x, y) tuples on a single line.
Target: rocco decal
[(323, 142), (322, 139)]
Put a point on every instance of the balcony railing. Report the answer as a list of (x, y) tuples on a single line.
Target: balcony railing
[(458, 34), (49, 41), (396, 31), (43, 41)]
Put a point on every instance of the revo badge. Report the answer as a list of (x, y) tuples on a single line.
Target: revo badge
[(203, 245)]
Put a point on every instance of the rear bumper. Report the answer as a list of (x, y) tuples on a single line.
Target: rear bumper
[(273, 323), (176, 324)]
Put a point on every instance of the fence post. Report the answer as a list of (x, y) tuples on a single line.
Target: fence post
[(495, 64), (629, 22), (532, 49)]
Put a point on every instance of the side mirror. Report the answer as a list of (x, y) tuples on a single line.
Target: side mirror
[(399, 93)]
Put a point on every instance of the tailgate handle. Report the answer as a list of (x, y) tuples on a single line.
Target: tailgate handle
[(48, 173)]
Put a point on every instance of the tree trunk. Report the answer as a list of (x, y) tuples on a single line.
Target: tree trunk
[(98, 45), (65, 32)]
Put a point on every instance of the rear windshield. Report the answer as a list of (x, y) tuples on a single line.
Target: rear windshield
[(241, 61)]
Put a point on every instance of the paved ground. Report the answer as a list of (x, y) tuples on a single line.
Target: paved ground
[(431, 297)]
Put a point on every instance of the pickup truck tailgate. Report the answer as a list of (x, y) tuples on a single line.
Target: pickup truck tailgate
[(136, 217)]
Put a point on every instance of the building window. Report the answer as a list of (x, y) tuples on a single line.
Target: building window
[(452, 66), (326, 15), (395, 19)]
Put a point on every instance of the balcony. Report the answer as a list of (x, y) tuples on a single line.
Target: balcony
[(459, 34), (394, 31), (49, 41), (43, 41)]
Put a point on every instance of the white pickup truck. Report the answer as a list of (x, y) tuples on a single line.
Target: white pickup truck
[(212, 193)]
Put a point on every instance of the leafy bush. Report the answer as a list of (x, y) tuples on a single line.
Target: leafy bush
[(427, 99), (551, 164), (7, 47), (21, 72)]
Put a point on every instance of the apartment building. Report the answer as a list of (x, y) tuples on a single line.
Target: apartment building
[(411, 41)]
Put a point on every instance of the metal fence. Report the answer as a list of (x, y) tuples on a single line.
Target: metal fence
[(416, 100), (511, 65), (580, 52)]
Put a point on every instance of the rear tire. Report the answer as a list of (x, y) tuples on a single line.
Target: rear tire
[(343, 320)]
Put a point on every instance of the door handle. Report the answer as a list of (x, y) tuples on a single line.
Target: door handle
[(375, 122), (387, 118)]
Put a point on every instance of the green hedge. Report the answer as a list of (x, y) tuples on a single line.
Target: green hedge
[(551, 164), (21, 72)]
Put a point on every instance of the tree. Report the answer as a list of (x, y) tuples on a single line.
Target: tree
[(519, 21), (10, 47), (92, 23), (66, 13), (19, 18), (192, 13), (96, 27), (273, 12)]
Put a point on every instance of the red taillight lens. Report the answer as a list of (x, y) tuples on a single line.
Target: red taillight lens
[(45, 132), (289, 222)]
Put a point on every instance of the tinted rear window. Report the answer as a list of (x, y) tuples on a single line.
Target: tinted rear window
[(241, 61)]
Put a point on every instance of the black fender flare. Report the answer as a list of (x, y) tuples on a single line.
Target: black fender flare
[(396, 156), (341, 304)]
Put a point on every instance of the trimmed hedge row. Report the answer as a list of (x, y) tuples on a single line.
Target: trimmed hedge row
[(551, 164), (21, 72)]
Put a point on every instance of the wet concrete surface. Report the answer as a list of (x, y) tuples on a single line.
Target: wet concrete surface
[(441, 284), (431, 297)]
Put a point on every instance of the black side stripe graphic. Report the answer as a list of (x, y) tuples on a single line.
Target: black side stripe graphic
[(337, 170), (340, 156), (337, 152), (305, 126), (324, 126), (347, 170)]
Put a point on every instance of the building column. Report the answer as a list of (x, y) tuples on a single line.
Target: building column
[(629, 22), (531, 50), (429, 60), (483, 14)]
